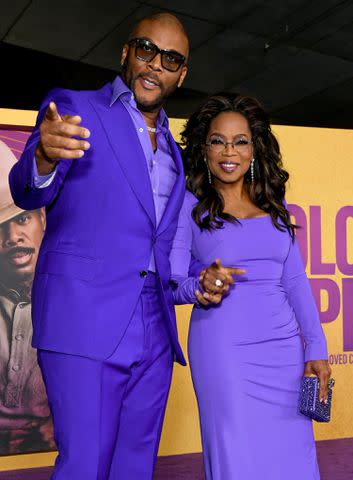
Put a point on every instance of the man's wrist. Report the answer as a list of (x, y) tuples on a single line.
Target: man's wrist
[(45, 165)]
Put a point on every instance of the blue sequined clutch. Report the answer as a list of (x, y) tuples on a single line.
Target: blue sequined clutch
[(309, 403)]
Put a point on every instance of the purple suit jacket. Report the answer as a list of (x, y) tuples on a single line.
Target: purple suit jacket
[(100, 231)]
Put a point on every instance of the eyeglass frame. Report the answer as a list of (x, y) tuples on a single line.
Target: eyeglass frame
[(158, 51), (249, 142)]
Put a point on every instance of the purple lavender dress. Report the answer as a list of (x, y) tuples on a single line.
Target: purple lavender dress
[(247, 354)]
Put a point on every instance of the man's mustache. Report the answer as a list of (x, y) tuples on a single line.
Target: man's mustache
[(152, 77), (20, 250)]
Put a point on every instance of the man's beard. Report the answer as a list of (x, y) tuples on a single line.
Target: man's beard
[(147, 107)]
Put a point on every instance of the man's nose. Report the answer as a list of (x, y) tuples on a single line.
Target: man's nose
[(156, 63), (12, 234)]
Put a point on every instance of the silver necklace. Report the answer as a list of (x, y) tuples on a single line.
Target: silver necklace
[(152, 129)]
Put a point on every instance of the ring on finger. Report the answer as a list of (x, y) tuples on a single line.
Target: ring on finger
[(218, 283)]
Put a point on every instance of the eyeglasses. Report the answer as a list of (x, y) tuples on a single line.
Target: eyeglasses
[(147, 51), (218, 145)]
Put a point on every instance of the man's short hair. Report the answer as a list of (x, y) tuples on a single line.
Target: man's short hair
[(160, 16)]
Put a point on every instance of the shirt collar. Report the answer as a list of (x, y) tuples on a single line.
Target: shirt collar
[(10, 293), (120, 89), (123, 92), (162, 121)]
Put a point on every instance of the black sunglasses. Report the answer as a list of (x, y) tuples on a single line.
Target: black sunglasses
[(147, 51)]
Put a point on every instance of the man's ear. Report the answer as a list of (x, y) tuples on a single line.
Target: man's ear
[(124, 53), (184, 71)]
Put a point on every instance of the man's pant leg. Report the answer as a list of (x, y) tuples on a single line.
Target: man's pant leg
[(144, 402), (112, 409)]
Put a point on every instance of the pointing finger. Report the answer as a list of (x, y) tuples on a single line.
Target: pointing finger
[(236, 271), (52, 113)]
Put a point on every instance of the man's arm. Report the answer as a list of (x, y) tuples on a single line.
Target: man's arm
[(52, 148)]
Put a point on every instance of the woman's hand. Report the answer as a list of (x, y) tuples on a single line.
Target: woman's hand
[(322, 370), (216, 279), (215, 282)]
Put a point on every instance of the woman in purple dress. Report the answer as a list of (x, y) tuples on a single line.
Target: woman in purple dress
[(249, 352)]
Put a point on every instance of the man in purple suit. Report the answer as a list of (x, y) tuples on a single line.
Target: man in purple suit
[(103, 313)]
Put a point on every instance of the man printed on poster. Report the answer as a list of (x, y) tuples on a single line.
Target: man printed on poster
[(25, 422)]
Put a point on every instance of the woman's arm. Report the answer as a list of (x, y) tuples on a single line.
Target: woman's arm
[(300, 297), (186, 268), (184, 286)]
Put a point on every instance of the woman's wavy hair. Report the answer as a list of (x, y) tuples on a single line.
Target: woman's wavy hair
[(267, 191)]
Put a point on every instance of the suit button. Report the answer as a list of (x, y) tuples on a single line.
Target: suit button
[(28, 187), (143, 274)]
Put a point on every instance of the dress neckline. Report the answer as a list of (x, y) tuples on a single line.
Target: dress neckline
[(253, 218)]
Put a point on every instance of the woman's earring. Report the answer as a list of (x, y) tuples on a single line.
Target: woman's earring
[(208, 171), (252, 170)]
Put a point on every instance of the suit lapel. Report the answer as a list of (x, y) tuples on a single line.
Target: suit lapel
[(128, 152), (178, 190)]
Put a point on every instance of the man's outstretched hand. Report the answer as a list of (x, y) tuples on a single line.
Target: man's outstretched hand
[(56, 142)]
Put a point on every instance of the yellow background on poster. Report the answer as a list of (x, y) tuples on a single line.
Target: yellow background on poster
[(320, 165)]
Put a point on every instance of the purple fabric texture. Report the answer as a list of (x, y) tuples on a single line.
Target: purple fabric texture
[(247, 354), (101, 231), (113, 409)]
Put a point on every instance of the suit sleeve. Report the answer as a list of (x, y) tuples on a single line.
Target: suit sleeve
[(22, 176), (183, 285), (297, 287)]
